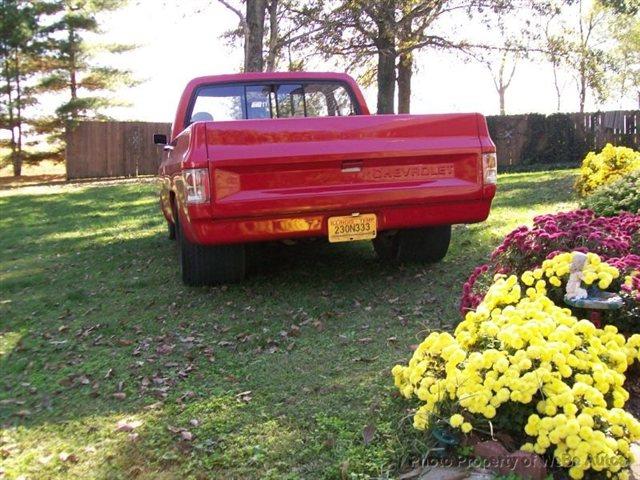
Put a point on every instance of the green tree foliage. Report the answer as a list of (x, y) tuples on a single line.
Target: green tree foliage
[(381, 36), (21, 45), (599, 44), (628, 7), (625, 30), (72, 69)]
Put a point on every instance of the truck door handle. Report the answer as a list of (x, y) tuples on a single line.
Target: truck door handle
[(352, 166)]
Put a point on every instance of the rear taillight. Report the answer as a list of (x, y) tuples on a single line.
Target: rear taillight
[(490, 168), (196, 185)]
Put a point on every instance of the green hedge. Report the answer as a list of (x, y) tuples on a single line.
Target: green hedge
[(552, 139)]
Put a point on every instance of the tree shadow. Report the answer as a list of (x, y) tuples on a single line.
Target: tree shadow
[(97, 325)]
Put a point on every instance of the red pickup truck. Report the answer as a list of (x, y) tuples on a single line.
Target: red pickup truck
[(260, 157)]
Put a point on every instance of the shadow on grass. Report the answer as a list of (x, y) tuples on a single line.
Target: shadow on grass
[(519, 191), (96, 325)]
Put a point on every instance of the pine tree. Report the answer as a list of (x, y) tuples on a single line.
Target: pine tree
[(22, 42), (74, 72)]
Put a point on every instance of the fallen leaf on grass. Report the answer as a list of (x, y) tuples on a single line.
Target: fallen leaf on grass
[(294, 331), (165, 349), (244, 396), (183, 432), (68, 457), (119, 395), (186, 395), (368, 433), (365, 340), (126, 426), (244, 337), (319, 325)]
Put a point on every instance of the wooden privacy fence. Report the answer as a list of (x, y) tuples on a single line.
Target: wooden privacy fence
[(561, 137), (125, 149), (114, 149)]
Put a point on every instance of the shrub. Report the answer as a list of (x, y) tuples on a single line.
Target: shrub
[(609, 165), (615, 239), (622, 195), (523, 365), (552, 139)]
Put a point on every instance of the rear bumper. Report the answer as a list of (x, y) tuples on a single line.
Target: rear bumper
[(244, 230)]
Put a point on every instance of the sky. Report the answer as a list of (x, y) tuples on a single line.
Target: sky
[(181, 40)]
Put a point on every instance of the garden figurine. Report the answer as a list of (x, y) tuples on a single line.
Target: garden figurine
[(574, 289)]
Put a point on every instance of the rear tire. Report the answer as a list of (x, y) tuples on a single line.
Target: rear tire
[(422, 245), (209, 265), (171, 230), (386, 246)]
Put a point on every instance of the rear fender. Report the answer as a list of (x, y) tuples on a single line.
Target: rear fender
[(189, 151)]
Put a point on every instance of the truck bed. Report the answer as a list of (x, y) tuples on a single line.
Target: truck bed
[(289, 166)]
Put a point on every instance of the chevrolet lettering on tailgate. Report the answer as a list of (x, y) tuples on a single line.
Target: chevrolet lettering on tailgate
[(417, 172)]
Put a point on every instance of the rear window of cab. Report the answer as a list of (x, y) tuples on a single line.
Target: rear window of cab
[(283, 100)]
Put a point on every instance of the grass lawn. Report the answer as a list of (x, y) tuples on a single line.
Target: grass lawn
[(45, 171), (111, 368)]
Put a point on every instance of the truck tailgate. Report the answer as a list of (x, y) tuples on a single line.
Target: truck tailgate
[(284, 166)]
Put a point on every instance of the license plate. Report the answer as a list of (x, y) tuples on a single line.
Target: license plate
[(352, 227)]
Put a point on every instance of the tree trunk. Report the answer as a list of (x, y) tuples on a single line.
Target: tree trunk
[(501, 92), (386, 79), (17, 168), (387, 56), (18, 155), (556, 84), (274, 47), (405, 71), (582, 94), (73, 82), (253, 42)]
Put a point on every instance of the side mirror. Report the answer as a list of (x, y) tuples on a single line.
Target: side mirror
[(159, 139)]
